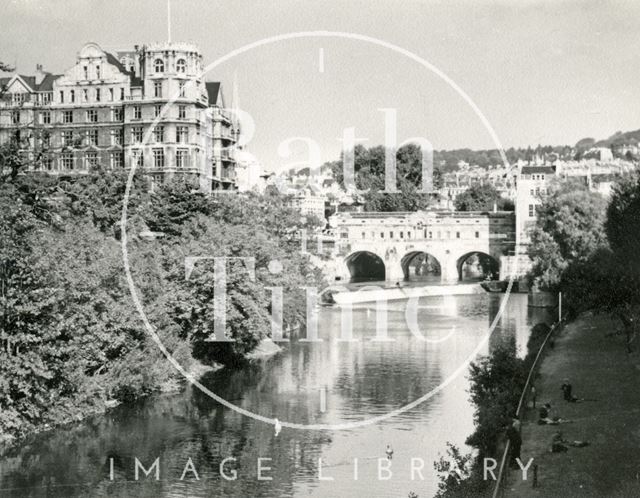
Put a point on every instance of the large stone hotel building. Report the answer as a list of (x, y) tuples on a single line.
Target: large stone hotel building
[(102, 111)]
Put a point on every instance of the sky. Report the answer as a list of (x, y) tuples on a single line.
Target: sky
[(540, 72)]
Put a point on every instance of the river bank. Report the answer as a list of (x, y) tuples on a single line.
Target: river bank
[(599, 369)]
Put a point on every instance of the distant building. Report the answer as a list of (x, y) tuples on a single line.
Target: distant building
[(100, 111), (533, 184), (309, 203), (599, 153)]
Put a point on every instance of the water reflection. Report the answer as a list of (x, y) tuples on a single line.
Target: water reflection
[(357, 380)]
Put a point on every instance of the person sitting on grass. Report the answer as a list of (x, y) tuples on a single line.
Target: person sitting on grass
[(545, 418), (567, 393), (561, 445)]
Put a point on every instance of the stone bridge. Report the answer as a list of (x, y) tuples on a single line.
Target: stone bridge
[(382, 246)]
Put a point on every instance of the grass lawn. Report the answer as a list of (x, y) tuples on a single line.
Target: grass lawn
[(599, 368)]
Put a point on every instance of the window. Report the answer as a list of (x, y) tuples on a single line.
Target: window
[(158, 110), (86, 72), (92, 159), (15, 117), (541, 177), (457, 235), (138, 158), (67, 161), (116, 137), (117, 114), (92, 137), (61, 97), (537, 190), (67, 116), (157, 89), (431, 235), (85, 95), (531, 211), (92, 116), (158, 158), (158, 66), (45, 139), (136, 135), (364, 235), (182, 86), (182, 112), (391, 235), (47, 164), (158, 134), (116, 160), (477, 235), (98, 72), (67, 138), (72, 96), (121, 93), (531, 191), (111, 94), (137, 112), (181, 66), (382, 235), (181, 158), (98, 95), (182, 134)]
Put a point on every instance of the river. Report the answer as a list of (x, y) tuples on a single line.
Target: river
[(327, 382)]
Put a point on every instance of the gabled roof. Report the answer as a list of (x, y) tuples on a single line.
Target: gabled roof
[(213, 90), (528, 170), (46, 85)]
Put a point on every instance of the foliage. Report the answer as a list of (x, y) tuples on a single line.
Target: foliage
[(456, 476), (482, 198), (369, 170), (71, 340), (496, 384), (569, 228)]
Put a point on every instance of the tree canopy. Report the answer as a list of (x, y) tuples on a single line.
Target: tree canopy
[(482, 198), (569, 228)]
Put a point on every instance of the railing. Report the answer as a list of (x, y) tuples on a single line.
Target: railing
[(502, 475)]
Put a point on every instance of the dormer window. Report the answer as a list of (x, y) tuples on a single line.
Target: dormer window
[(158, 66), (181, 66)]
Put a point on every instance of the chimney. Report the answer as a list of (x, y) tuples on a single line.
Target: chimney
[(40, 74)]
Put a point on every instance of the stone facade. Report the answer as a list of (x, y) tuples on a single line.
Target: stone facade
[(102, 109), (396, 238)]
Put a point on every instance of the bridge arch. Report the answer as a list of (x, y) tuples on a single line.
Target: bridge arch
[(365, 266), (477, 265), (421, 266)]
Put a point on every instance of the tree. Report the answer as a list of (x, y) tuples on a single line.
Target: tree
[(369, 170), (482, 198), (569, 228)]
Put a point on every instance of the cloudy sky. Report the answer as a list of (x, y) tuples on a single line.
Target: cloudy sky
[(541, 72)]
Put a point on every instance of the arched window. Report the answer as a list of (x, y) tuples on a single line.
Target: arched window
[(181, 65), (158, 65)]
